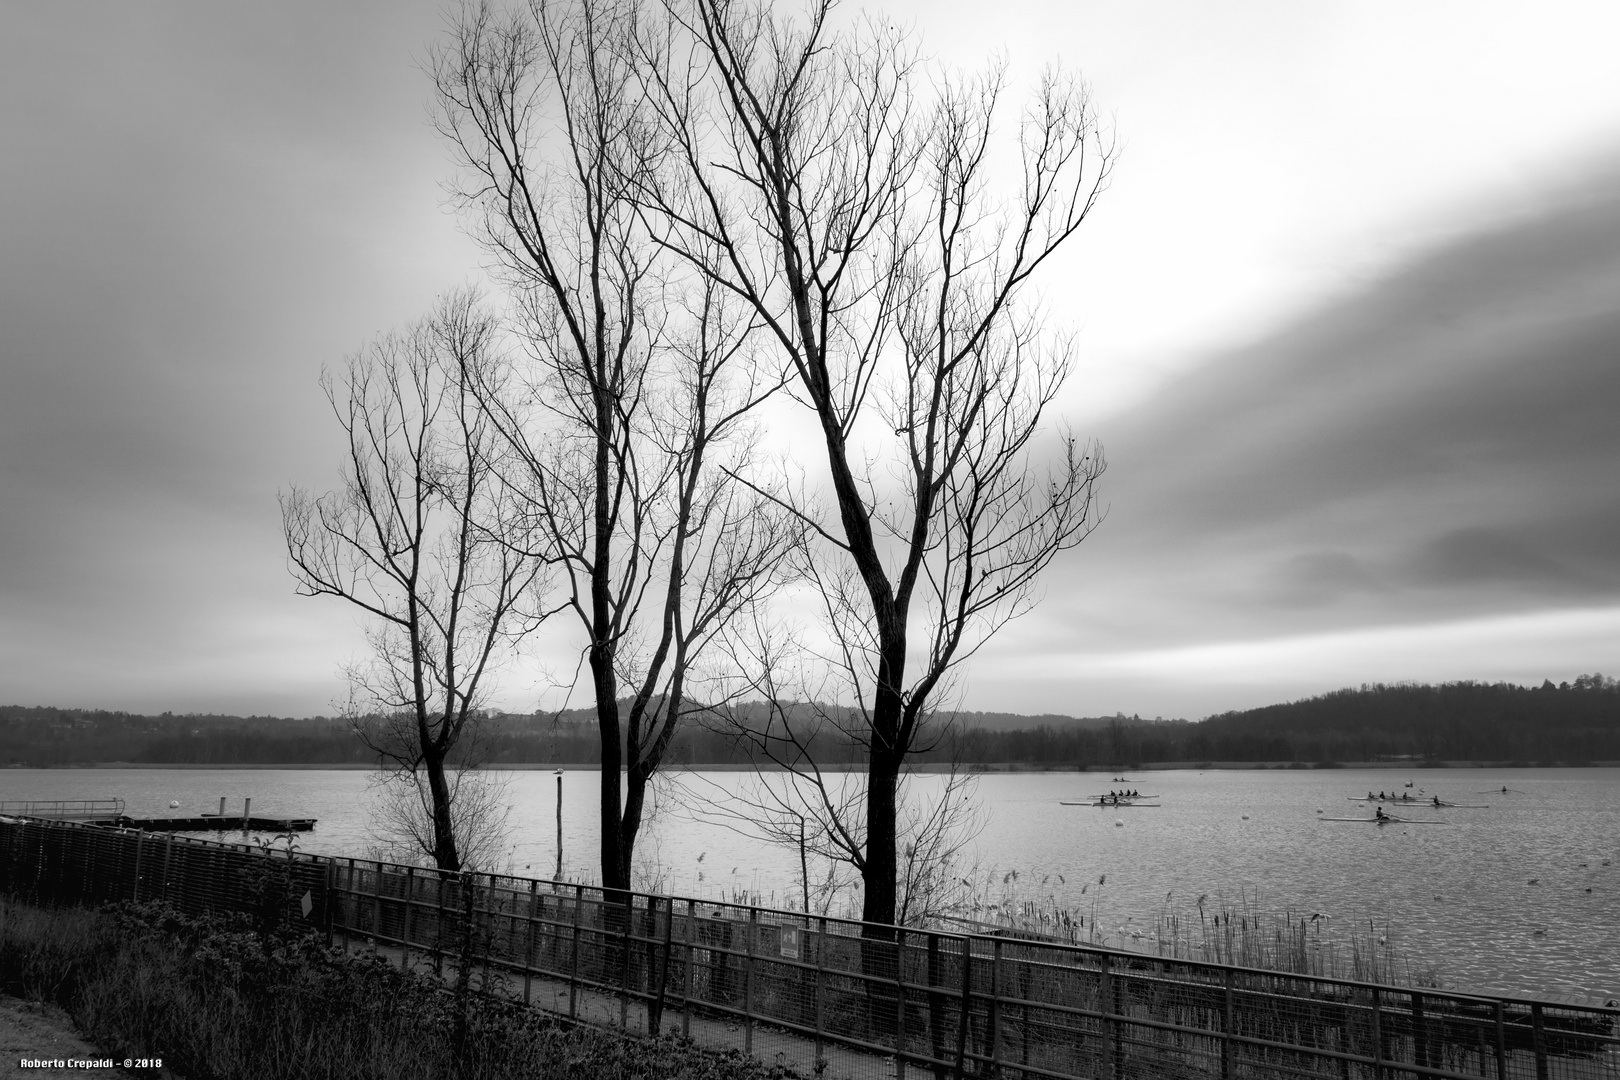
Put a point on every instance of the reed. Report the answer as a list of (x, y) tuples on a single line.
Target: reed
[(1245, 933)]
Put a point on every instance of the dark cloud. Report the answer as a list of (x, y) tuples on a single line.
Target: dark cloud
[(1452, 427), (202, 205)]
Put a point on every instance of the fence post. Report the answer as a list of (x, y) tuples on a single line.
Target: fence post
[(748, 981), (330, 870), (410, 902), (1539, 1042), (994, 1025), (528, 941), (686, 979), (1501, 1041), (573, 959), (628, 922), (135, 893), (1105, 1003), (1378, 1034), (656, 1024), (376, 914), (489, 923), (1420, 1050), (899, 1004), (936, 1008), (168, 851), (1226, 1026), (967, 1006), (821, 969)]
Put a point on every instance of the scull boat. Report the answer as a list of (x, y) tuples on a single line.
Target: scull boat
[(1121, 805), (1441, 805), (1387, 820)]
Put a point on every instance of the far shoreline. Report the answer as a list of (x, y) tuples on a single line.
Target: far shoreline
[(976, 768)]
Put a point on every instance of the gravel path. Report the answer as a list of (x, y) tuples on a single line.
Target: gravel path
[(30, 1031)]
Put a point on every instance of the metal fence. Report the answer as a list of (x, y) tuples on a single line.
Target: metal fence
[(831, 997)]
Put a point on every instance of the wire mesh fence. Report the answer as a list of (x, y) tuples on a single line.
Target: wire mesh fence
[(830, 997)]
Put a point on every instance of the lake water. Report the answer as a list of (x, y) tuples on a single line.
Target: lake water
[(1522, 896)]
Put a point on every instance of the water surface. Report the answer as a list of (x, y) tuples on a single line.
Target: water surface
[(1520, 896)]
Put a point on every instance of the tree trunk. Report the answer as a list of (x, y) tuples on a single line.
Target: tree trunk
[(615, 867), (878, 876), (445, 855)]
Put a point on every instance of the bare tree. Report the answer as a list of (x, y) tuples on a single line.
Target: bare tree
[(808, 793), (416, 538), (403, 817), (844, 194), (632, 415)]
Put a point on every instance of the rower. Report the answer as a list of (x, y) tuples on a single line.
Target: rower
[(1378, 815), (1437, 800)]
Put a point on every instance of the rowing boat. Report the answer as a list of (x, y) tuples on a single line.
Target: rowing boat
[(1386, 820), (1121, 805), (1430, 803)]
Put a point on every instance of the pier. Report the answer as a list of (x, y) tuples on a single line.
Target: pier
[(110, 812)]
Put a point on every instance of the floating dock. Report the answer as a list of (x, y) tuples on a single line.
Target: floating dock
[(110, 812), (210, 823)]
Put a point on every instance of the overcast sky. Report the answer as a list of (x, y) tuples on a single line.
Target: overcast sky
[(1349, 319)]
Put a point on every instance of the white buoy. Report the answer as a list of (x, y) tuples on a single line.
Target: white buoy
[(174, 804), (1119, 823), (1245, 817)]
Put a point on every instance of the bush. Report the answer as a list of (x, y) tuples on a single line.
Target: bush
[(222, 998)]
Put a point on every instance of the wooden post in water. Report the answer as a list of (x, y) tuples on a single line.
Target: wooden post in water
[(246, 802), (559, 825)]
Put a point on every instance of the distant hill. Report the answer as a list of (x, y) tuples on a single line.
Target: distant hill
[(1464, 721), (1461, 721)]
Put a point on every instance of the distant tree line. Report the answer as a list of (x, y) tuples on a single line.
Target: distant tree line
[(1569, 722)]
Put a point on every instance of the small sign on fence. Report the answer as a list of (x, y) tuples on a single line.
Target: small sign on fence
[(790, 942), (307, 903)]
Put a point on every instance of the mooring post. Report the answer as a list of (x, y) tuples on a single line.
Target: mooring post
[(246, 803), (221, 806)]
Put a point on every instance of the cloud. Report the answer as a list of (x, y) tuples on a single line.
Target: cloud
[(1436, 448), (1451, 425)]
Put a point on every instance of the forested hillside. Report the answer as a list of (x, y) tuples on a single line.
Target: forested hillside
[(1465, 721)]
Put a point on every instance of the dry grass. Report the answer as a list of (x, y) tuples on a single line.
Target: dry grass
[(219, 999)]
